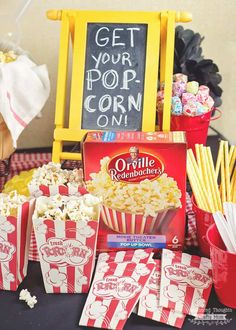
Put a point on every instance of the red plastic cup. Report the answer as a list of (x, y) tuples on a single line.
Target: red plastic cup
[(204, 220), (223, 268), (196, 128)]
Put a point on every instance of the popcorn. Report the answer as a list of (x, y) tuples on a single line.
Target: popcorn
[(65, 208), (7, 57), (9, 203), (147, 197), (53, 174)]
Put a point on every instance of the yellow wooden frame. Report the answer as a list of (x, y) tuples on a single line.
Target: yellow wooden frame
[(74, 25)]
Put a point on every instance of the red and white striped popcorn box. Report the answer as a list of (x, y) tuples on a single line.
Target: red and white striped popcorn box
[(67, 252), (43, 190), (186, 282), (114, 293), (15, 234), (149, 306), (138, 256), (131, 223)]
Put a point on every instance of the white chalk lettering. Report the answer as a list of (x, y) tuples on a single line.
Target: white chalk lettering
[(115, 36), (92, 76), (117, 103), (116, 121), (87, 103), (102, 121), (136, 104), (132, 35), (126, 58), (114, 79), (98, 40), (128, 76), (105, 99)]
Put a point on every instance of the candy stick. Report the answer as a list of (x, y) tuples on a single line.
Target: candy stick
[(227, 174), (219, 158), (222, 174), (200, 183), (199, 160), (210, 180), (232, 159), (194, 181), (206, 177), (213, 179)]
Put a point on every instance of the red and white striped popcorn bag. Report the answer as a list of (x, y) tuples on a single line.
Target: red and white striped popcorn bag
[(131, 223), (149, 305), (42, 190), (114, 293), (15, 234), (186, 282), (67, 252)]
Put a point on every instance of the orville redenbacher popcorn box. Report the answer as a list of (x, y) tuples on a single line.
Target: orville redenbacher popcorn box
[(15, 229), (66, 230), (141, 178)]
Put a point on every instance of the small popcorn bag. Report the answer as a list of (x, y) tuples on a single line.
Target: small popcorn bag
[(49, 180), (149, 305), (141, 186), (186, 282), (66, 234), (15, 229), (115, 290)]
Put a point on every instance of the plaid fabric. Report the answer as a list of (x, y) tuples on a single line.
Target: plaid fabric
[(191, 238), (27, 161)]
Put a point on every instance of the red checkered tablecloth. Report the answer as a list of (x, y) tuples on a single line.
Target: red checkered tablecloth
[(26, 161)]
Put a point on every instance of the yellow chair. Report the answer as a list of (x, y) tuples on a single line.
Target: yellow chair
[(160, 40)]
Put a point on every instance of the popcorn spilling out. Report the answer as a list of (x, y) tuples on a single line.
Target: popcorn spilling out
[(147, 197), (7, 57), (64, 208), (26, 296), (188, 98), (9, 203), (53, 174)]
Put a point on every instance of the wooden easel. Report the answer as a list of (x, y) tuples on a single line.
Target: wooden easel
[(161, 32)]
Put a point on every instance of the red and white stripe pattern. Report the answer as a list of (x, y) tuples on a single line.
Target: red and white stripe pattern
[(52, 190), (114, 293), (186, 282), (130, 223), (66, 255), (49, 191), (14, 246), (137, 256), (149, 306)]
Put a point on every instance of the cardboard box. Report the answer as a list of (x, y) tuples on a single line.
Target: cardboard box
[(67, 252), (142, 180), (15, 234)]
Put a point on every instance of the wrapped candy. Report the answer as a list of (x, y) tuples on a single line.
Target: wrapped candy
[(202, 94), (201, 109), (209, 103), (180, 77), (187, 97), (179, 87), (190, 109), (192, 87), (176, 106)]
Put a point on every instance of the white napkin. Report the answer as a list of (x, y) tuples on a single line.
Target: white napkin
[(24, 89)]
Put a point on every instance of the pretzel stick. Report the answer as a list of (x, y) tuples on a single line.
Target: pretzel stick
[(214, 179), (192, 175), (227, 175), (220, 156)]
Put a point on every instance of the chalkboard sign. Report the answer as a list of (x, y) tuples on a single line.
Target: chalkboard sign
[(114, 76)]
